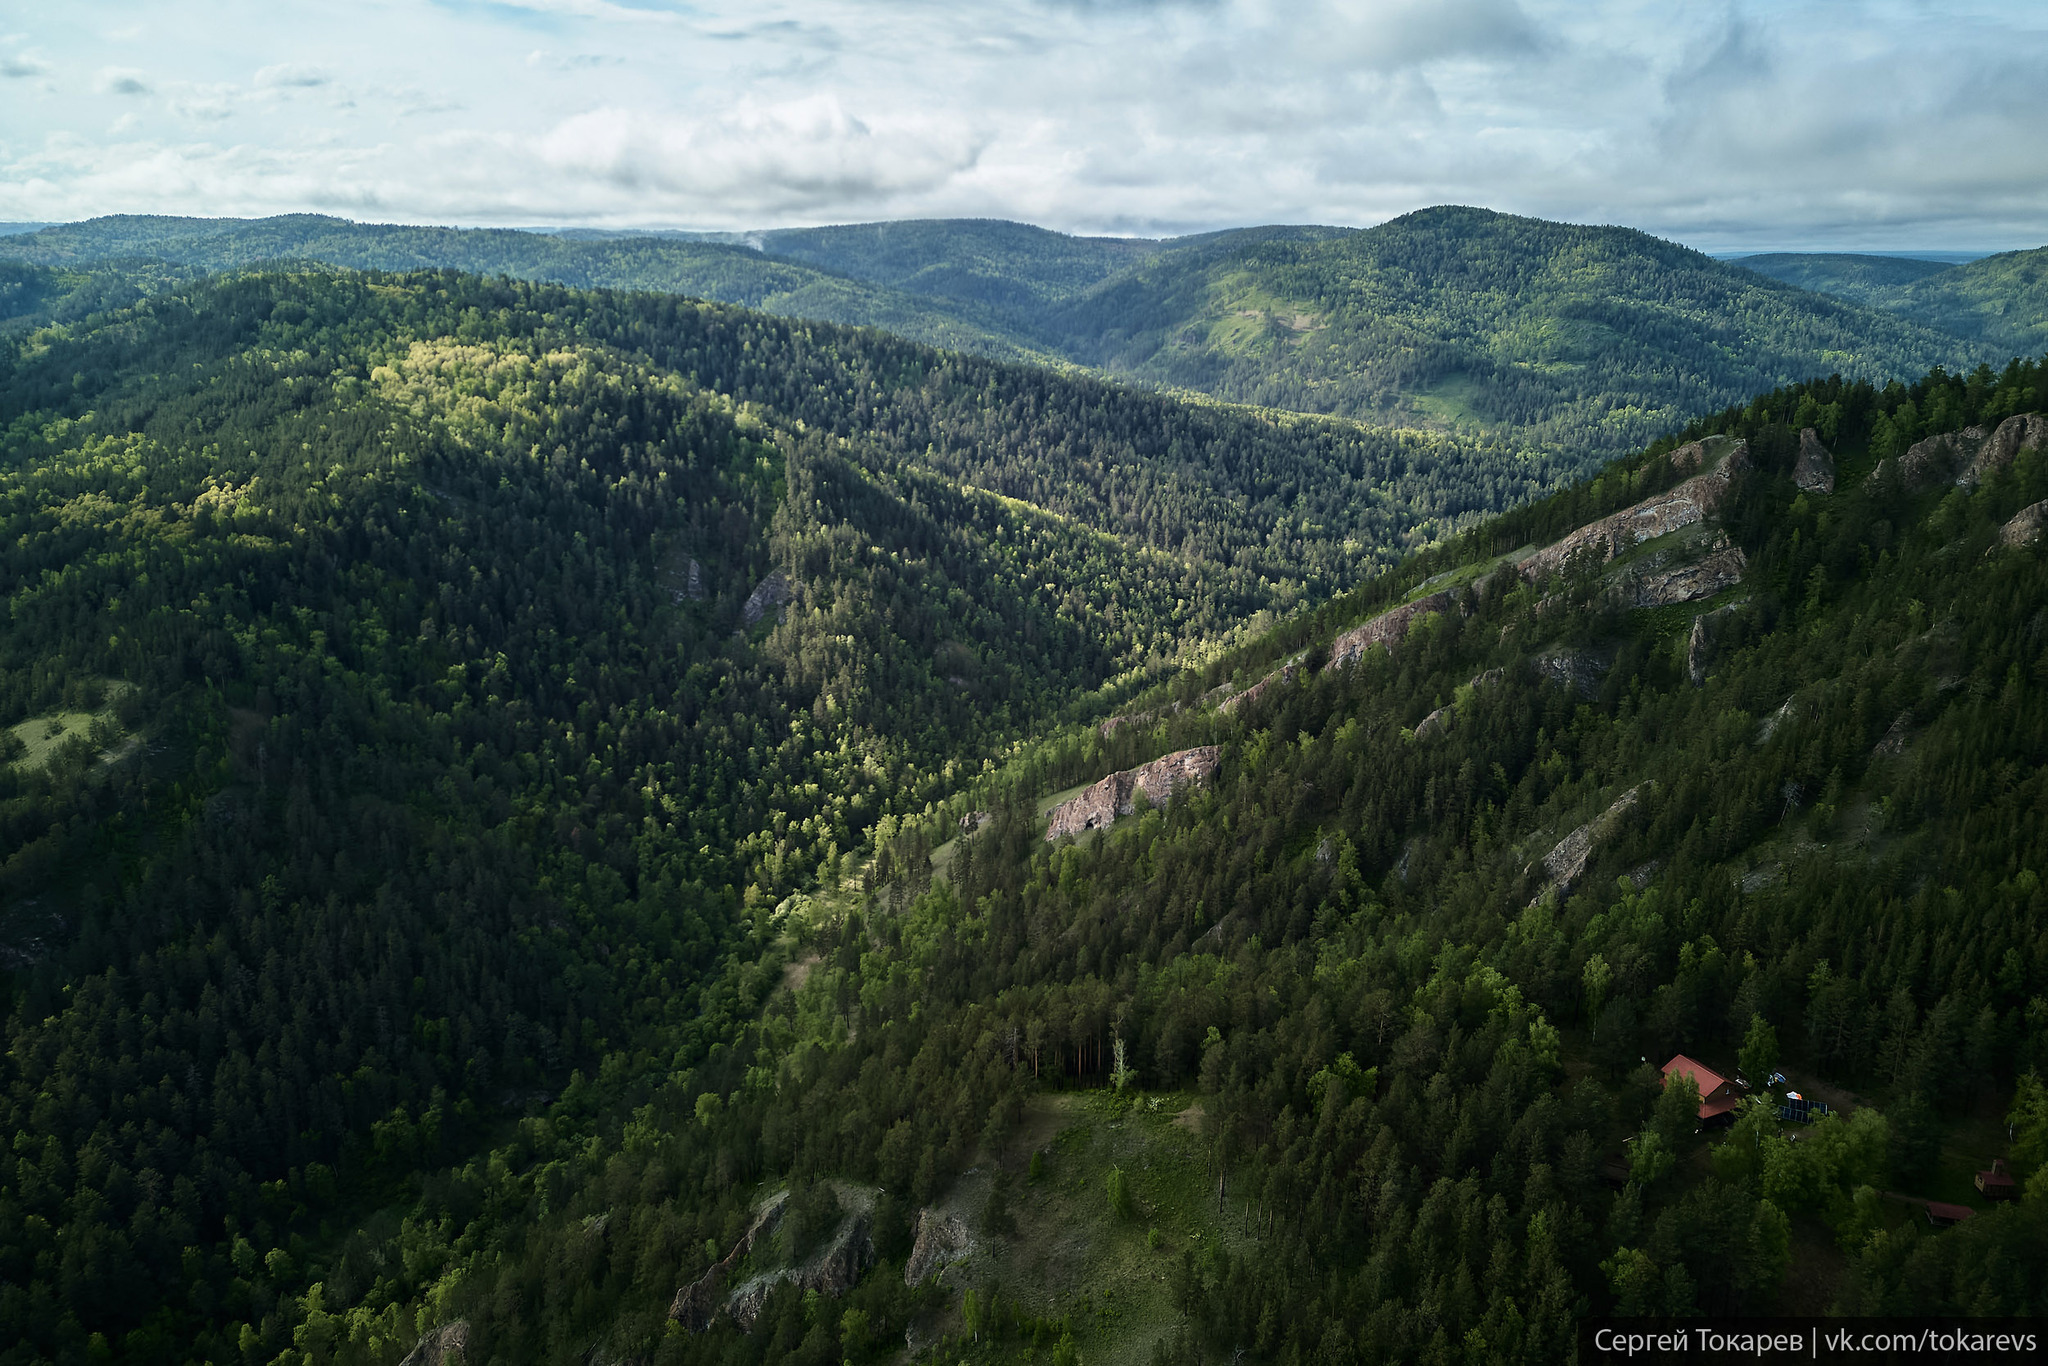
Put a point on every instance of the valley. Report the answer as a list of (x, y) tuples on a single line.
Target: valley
[(619, 827)]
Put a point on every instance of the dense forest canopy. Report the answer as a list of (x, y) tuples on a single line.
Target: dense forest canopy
[(522, 835), (2000, 301)]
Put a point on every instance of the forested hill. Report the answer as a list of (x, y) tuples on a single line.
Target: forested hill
[(1339, 1058), (723, 271), (1575, 340), (421, 692), (2001, 301), (1598, 338)]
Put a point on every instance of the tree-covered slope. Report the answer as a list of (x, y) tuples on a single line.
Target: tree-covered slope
[(1361, 1043), (421, 692), (1596, 338), (2002, 300)]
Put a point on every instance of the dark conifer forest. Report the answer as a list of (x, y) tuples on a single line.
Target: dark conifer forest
[(523, 837)]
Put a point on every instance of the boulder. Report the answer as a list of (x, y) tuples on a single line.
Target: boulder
[(1938, 458), (2025, 527), (1815, 469), (1438, 720), (1117, 794), (1388, 628)]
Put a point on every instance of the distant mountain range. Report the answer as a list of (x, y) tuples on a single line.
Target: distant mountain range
[(1577, 339)]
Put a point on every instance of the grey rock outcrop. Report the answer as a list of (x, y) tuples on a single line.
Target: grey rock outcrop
[(1815, 469), (1388, 628), (2027, 431), (1567, 860), (1117, 794), (833, 1271), (2025, 527), (1278, 678), (698, 1303), (1579, 670), (1692, 501), (771, 592), (1439, 720), (447, 1345), (1666, 580), (1939, 458), (941, 1240), (1701, 643)]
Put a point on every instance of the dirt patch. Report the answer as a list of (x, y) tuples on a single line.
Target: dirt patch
[(1191, 1118), (794, 975)]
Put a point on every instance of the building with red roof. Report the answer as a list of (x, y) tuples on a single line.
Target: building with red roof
[(1718, 1095), (1943, 1215)]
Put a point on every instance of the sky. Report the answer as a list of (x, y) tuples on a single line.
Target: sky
[(1729, 125)]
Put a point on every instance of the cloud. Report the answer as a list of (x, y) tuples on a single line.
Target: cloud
[(800, 153), (121, 80), (1725, 122), (293, 76)]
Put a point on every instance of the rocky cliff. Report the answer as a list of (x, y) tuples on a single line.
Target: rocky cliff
[(1815, 470), (1387, 628), (1117, 795), (1690, 502)]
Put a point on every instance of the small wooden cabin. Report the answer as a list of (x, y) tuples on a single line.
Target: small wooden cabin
[(1997, 1184), (1718, 1095), (1943, 1216)]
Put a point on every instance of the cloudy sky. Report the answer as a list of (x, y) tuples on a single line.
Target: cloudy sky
[(1723, 123)]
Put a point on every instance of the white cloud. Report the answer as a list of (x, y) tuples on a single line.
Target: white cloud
[(1725, 122), (19, 65)]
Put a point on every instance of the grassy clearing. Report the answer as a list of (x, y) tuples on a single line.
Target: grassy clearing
[(1070, 1252), (41, 737)]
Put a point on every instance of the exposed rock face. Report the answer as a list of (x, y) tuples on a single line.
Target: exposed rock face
[(1692, 501), (697, 1303), (1664, 580), (1939, 457), (771, 592), (1894, 739), (1815, 470), (1117, 795), (447, 1345), (832, 1272), (1699, 646), (2026, 526), (1580, 670), (1388, 628), (1438, 720), (1280, 677), (1567, 861), (941, 1240), (2028, 431), (1116, 723)]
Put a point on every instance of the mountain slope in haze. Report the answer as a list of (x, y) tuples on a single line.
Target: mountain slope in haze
[(724, 271), (1584, 341), (1593, 337), (1870, 280), (2000, 301)]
